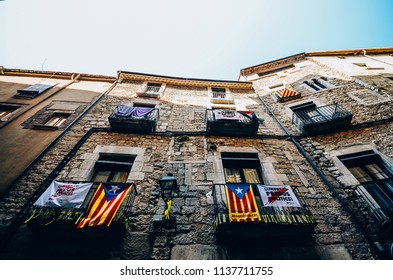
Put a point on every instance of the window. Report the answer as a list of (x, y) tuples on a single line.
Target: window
[(6, 111), (220, 95), (152, 88), (360, 64), (113, 168), (241, 168), (57, 119), (374, 175), (307, 112), (276, 87), (285, 68), (33, 91), (367, 66), (316, 84)]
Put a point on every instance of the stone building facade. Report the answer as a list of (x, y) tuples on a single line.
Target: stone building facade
[(190, 134)]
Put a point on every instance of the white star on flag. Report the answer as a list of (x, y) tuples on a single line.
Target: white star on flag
[(114, 188), (239, 190)]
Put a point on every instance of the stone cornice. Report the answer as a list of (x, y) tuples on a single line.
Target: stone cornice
[(272, 65), (56, 75), (123, 75)]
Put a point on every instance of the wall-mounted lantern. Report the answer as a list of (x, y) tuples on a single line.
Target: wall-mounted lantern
[(168, 184)]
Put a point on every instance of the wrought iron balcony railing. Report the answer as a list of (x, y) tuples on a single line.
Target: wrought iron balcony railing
[(321, 119), (73, 220), (231, 122), (274, 221), (134, 122)]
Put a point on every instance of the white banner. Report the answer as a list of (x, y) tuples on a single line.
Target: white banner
[(227, 115), (65, 195), (278, 196)]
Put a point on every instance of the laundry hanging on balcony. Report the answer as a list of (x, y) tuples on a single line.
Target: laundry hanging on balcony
[(129, 111), (242, 205), (105, 204)]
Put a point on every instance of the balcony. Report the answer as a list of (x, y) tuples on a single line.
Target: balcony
[(321, 119), (150, 90), (288, 217), (53, 215), (221, 98), (231, 122), (134, 119), (382, 215)]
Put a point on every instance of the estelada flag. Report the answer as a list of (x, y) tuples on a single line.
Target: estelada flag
[(105, 203), (242, 205)]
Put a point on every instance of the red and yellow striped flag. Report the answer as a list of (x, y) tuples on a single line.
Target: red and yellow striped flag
[(285, 92), (241, 203), (105, 203)]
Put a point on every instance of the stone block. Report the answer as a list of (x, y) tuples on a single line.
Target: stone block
[(196, 252), (333, 252)]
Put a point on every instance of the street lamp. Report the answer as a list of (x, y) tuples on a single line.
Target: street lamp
[(168, 184)]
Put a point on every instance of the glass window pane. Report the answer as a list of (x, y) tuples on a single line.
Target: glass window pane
[(251, 175), (360, 174), (120, 177), (232, 175), (377, 171), (101, 176)]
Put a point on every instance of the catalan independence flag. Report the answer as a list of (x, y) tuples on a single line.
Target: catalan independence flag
[(241, 203), (105, 203)]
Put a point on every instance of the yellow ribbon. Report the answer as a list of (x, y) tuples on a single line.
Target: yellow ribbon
[(166, 212)]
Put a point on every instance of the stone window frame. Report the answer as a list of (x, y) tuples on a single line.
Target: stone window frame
[(70, 109), (268, 173), (86, 170), (15, 108), (367, 66), (143, 87), (228, 99), (33, 91), (347, 179), (384, 97), (317, 79)]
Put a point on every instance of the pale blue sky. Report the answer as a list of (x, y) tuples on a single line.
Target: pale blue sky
[(210, 39)]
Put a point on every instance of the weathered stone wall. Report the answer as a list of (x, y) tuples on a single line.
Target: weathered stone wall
[(368, 98), (193, 159)]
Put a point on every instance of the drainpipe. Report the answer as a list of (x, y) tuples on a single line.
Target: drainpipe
[(325, 180), (376, 59)]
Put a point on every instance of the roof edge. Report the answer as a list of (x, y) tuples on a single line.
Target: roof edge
[(386, 50), (56, 75), (182, 80)]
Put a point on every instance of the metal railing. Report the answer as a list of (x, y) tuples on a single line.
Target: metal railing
[(269, 215), (43, 216), (152, 90), (151, 116), (321, 115), (210, 117)]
